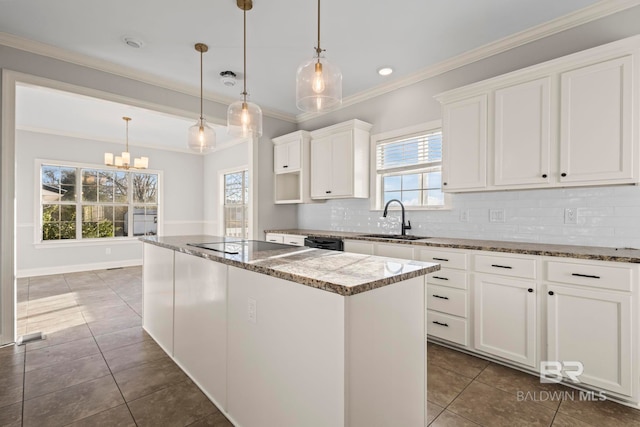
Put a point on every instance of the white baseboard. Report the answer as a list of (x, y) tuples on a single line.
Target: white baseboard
[(62, 269)]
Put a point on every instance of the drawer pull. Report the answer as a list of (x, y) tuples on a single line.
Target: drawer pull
[(293, 243), (530, 290), (588, 276), (285, 166), (441, 278), (501, 266), (441, 297), (551, 293), (439, 323), (440, 259)]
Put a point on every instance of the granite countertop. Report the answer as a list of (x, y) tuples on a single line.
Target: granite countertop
[(630, 255), (338, 272)]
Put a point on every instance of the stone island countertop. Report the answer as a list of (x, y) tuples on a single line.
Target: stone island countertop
[(630, 255), (338, 272)]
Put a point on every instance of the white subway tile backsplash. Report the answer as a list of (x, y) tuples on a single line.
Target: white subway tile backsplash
[(607, 216)]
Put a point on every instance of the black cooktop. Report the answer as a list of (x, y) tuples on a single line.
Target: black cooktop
[(240, 246)]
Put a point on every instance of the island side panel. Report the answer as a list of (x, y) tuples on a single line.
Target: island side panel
[(286, 367), (387, 356), (157, 297), (200, 323)]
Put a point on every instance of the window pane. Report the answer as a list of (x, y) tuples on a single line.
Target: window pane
[(411, 182), (68, 212), (51, 231), (105, 186), (433, 180), (97, 221), (145, 221), (391, 195), (434, 197), (412, 198), (58, 183), (234, 190), (89, 185), (392, 183), (145, 188), (50, 213), (121, 185), (120, 220), (68, 230)]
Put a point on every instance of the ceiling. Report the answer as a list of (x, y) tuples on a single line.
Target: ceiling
[(359, 35)]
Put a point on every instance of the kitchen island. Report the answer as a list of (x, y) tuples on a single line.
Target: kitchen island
[(278, 335)]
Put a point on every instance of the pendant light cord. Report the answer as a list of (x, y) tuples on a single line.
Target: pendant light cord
[(318, 48), (244, 91), (201, 96)]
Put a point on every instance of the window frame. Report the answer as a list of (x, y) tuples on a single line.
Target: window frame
[(88, 241), (375, 182), (221, 198)]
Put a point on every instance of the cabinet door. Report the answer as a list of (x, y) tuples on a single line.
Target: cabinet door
[(358, 247), (286, 157), (505, 318), (157, 313), (597, 141), (342, 164), (200, 323), (321, 168), (275, 238), (523, 133), (593, 328), (464, 149)]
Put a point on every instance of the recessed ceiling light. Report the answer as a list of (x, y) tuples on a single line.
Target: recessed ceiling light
[(133, 42), (385, 71)]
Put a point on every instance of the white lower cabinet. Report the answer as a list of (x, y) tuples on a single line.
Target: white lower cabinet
[(359, 247), (157, 300), (394, 251), (593, 328), (505, 323), (200, 323)]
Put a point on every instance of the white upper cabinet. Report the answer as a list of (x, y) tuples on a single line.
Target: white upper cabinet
[(522, 117), (287, 156), (572, 121), (340, 161), (291, 168), (597, 123), (464, 165)]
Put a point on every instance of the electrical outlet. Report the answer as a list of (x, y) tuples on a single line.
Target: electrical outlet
[(464, 215), (252, 310), (496, 215), (571, 216)]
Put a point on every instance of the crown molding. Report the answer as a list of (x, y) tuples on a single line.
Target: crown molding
[(58, 53), (585, 15)]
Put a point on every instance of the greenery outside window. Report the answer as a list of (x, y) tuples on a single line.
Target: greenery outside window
[(79, 203), (408, 167)]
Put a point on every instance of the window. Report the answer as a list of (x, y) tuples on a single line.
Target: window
[(91, 203), (409, 168), (236, 203)]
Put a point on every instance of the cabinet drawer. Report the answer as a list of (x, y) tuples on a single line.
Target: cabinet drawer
[(597, 276), (448, 277), (447, 300), (275, 238), (506, 266), (444, 258), (447, 327), (394, 251), (290, 239)]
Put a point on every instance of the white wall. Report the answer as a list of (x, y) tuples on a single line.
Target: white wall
[(607, 216), (181, 200)]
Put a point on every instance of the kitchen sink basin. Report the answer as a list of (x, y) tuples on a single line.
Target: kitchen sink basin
[(394, 236)]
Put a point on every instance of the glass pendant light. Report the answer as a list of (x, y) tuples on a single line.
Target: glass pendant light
[(244, 118), (318, 82), (201, 137)]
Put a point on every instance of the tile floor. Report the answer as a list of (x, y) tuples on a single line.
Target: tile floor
[(99, 368)]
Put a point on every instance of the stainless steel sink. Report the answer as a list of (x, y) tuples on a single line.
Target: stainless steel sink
[(394, 236)]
